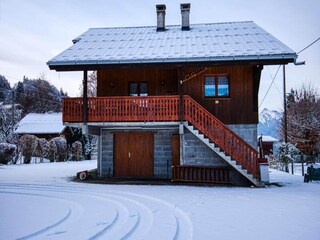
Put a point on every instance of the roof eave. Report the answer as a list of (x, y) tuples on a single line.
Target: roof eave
[(223, 60)]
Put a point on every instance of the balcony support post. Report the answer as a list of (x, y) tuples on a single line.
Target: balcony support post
[(181, 78), (85, 101), (181, 112)]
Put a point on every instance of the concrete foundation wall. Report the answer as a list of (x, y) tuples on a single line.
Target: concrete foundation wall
[(106, 152), (163, 153), (195, 152), (247, 131)]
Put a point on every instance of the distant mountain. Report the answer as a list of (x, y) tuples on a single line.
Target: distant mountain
[(269, 123)]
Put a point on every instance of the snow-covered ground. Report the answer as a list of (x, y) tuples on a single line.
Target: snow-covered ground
[(38, 201)]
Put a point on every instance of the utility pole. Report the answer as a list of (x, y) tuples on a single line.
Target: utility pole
[(12, 110), (285, 112), (285, 105)]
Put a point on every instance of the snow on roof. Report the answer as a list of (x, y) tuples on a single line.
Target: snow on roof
[(41, 123), (203, 42), (266, 138)]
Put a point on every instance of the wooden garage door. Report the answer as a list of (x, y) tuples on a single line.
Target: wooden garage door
[(133, 154)]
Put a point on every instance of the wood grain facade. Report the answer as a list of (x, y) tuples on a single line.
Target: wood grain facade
[(240, 107)]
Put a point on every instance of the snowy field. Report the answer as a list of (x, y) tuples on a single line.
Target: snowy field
[(38, 201)]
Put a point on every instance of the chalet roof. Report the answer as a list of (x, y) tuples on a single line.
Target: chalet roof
[(230, 41), (41, 123)]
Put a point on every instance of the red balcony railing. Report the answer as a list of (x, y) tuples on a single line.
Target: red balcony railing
[(122, 109)]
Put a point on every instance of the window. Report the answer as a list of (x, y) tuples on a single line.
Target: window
[(216, 86), (138, 89)]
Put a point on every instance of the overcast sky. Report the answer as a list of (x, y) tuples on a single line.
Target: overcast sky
[(34, 31)]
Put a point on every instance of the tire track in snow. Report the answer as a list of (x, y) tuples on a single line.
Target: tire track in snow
[(137, 216), (183, 224), (47, 228), (127, 222), (66, 191)]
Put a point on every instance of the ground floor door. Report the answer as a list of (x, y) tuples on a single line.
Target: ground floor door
[(175, 149), (133, 154)]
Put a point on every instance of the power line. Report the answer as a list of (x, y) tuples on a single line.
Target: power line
[(270, 86), (279, 68), (274, 84), (309, 45)]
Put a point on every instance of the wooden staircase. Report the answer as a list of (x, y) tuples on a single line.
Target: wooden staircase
[(222, 140)]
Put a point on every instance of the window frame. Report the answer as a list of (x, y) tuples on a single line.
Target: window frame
[(216, 84), (138, 88)]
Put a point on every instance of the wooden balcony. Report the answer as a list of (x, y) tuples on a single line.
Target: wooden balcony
[(123, 109)]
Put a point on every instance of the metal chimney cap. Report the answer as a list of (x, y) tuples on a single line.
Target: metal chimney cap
[(185, 6), (161, 7)]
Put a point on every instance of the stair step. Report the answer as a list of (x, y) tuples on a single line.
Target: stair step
[(223, 155)]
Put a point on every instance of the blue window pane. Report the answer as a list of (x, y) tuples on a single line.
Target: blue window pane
[(209, 87), (223, 86)]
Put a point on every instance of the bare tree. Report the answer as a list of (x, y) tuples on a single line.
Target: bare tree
[(303, 120), (92, 85)]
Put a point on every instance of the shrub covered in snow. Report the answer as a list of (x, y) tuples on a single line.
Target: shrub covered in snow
[(28, 145), (76, 150), (50, 150), (61, 144), (8, 153), (286, 153), (40, 148)]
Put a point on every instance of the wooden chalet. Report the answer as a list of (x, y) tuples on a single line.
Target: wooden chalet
[(173, 102)]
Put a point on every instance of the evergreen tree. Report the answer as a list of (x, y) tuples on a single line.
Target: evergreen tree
[(5, 89)]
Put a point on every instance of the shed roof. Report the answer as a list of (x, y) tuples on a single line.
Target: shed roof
[(267, 138), (232, 41), (41, 123)]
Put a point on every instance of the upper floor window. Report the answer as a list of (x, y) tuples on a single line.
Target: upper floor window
[(138, 89), (216, 86)]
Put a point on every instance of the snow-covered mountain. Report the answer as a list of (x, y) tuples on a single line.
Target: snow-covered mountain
[(269, 123)]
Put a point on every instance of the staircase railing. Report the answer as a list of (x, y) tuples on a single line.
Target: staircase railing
[(232, 144)]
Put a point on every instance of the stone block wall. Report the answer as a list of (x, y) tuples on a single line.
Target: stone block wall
[(195, 152), (106, 154), (247, 131), (163, 153)]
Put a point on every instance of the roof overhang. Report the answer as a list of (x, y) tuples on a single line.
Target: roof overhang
[(169, 63)]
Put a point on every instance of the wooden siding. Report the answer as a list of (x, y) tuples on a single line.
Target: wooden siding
[(239, 108), (236, 109), (116, 82)]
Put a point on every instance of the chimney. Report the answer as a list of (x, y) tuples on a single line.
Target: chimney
[(185, 12), (161, 13)]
